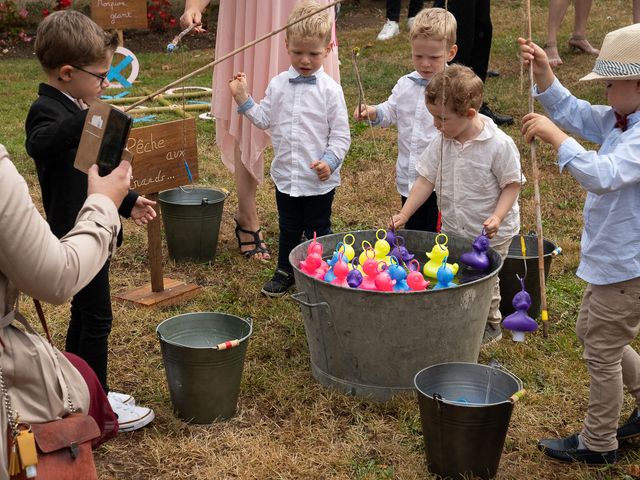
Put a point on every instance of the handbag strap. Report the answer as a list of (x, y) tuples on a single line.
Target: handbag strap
[(43, 321)]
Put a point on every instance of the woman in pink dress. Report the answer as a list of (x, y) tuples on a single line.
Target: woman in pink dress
[(242, 144)]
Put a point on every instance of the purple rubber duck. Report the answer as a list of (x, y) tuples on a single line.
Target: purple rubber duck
[(477, 258), (519, 322)]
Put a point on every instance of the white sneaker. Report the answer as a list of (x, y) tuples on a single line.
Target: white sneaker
[(131, 417), (410, 22), (117, 397), (389, 30)]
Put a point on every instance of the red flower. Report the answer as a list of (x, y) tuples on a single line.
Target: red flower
[(45, 12)]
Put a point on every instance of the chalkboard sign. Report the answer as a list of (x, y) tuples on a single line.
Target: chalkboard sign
[(164, 156), (119, 14)]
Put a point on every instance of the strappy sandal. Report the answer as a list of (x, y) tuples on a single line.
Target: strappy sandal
[(259, 245), (551, 49), (582, 44)]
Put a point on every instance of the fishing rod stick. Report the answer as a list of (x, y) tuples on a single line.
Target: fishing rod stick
[(544, 314), (227, 56)]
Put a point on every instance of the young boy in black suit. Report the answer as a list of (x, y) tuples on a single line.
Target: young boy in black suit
[(75, 55)]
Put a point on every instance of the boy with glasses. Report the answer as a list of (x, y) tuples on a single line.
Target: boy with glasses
[(75, 54)]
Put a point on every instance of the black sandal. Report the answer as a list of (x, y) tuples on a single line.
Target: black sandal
[(257, 242)]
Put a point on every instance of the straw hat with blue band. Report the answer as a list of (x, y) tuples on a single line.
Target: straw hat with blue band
[(619, 57)]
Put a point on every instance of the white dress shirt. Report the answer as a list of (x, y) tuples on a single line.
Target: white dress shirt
[(407, 109), (470, 179), (307, 122)]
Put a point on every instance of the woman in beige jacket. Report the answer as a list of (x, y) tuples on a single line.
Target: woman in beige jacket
[(34, 261)]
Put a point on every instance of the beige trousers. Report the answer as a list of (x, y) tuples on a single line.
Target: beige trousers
[(495, 316), (609, 319)]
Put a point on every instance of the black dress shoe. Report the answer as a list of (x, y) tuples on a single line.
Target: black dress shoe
[(630, 429), (497, 118), (490, 73), (566, 450)]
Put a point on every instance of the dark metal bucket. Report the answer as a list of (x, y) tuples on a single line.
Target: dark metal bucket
[(514, 265), (191, 218), (465, 409), (370, 343), (203, 376)]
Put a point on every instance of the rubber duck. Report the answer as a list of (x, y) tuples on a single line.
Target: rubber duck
[(477, 258), (370, 269), (438, 252), (519, 322), (399, 275), (445, 276), (314, 246), (415, 280), (340, 272)]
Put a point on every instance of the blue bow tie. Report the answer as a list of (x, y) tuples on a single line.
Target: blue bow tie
[(311, 79), (420, 81)]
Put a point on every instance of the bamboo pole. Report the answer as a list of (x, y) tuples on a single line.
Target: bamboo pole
[(172, 108), (544, 314), (121, 100), (228, 55)]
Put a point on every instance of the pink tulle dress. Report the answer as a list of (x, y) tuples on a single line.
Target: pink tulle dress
[(240, 22)]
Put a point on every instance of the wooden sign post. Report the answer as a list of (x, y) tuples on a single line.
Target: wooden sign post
[(161, 154)]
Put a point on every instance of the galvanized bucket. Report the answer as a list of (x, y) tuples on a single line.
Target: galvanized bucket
[(514, 265), (191, 218), (370, 343), (465, 409), (203, 356)]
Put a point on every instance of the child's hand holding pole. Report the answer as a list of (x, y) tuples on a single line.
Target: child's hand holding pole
[(532, 54), (365, 112), (535, 125), (238, 86), (322, 169)]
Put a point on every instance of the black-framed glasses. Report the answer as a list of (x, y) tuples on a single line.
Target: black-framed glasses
[(102, 78)]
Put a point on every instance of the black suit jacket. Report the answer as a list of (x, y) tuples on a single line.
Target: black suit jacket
[(54, 126)]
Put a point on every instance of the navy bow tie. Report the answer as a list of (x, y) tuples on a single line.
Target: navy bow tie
[(621, 121), (311, 79), (420, 81)]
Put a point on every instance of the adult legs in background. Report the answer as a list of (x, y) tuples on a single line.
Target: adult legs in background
[(557, 11), (474, 35), (250, 239), (578, 39)]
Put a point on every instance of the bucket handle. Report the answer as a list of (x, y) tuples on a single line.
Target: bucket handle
[(493, 363), (297, 298), (206, 201), (233, 343)]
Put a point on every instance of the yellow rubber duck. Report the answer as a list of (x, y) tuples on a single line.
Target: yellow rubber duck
[(437, 254)]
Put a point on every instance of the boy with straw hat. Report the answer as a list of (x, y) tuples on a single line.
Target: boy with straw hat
[(609, 317)]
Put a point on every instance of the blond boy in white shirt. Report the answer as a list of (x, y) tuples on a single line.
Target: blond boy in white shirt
[(475, 169), (432, 37), (305, 111)]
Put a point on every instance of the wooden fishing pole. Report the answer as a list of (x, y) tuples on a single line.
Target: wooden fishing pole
[(544, 314), (227, 56)]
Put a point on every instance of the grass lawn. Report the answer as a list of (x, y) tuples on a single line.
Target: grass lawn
[(287, 426)]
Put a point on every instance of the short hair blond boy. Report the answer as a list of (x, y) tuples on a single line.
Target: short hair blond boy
[(458, 87), (318, 26), (68, 37), (435, 24)]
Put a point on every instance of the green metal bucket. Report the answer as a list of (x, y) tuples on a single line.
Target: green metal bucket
[(203, 369), (191, 218)]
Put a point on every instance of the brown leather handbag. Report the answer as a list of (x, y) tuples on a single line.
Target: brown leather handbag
[(64, 449)]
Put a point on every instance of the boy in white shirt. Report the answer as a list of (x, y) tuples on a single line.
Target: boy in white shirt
[(433, 38), (305, 110), (474, 167)]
